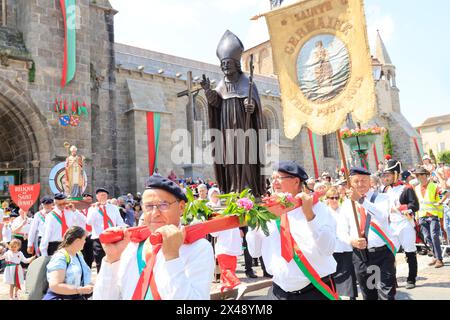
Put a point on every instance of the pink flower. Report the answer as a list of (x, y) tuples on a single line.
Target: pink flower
[(289, 197), (245, 203)]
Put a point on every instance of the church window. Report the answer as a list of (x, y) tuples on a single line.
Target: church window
[(439, 129), (269, 122), (330, 147)]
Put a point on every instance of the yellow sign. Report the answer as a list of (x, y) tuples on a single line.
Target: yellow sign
[(322, 59)]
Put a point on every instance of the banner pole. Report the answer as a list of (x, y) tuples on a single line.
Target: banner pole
[(344, 161)]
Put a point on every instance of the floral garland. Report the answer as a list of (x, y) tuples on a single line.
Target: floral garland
[(348, 133), (243, 205)]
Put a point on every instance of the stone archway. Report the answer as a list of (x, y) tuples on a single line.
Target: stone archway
[(24, 135)]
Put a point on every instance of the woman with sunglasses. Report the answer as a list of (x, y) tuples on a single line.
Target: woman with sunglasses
[(344, 277)]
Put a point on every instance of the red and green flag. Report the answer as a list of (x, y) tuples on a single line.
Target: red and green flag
[(313, 144), (153, 127), (68, 8)]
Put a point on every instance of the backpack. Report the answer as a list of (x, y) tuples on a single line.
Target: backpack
[(36, 283)]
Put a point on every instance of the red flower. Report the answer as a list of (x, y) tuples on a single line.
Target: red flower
[(388, 157)]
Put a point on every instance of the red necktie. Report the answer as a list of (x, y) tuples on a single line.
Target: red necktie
[(287, 249), (146, 279), (105, 217)]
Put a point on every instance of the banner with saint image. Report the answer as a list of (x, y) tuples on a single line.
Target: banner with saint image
[(322, 59)]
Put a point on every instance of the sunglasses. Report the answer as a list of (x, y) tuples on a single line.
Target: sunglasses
[(333, 198)]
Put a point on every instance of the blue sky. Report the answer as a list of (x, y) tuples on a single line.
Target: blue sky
[(416, 34)]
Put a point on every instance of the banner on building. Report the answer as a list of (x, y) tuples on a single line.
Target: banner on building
[(68, 8), (322, 59), (25, 195), (153, 128)]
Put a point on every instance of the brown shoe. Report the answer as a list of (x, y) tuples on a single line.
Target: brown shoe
[(439, 264), (433, 262)]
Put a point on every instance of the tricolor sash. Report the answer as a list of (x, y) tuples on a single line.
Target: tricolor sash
[(107, 222), (146, 287), (62, 221), (40, 215), (377, 229), (304, 265)]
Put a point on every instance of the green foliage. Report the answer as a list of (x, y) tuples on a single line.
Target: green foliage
[(387, 144), (195, 210), (32, 73), (432, 156), (444, 156)]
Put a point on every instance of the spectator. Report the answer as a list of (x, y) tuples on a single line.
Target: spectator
[(310, 184), (137, 213), (68, 274), (138, 198), (214, 201), (375, 182), (130, 199), (320, 188), (202, 192), (172, 176), (121, 207), (129, 215)]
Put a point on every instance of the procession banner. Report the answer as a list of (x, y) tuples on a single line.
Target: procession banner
[(153, 130), (322, 58), (68, 8), (25, 195)]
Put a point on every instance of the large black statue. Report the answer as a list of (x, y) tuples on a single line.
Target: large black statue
[(229, 108)]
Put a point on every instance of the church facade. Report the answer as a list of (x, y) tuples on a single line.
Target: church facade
[(138, 109)]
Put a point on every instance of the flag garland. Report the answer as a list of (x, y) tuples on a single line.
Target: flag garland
[(71, 118)]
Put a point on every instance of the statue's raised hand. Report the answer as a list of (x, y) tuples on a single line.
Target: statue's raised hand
[(205, 83)]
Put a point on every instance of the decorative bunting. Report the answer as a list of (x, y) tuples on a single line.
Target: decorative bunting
[(73, 118), (153, 128)]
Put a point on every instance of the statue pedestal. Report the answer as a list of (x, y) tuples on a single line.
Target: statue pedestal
[(193, 170)]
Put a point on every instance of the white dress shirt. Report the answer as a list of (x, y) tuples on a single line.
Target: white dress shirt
[(95, 219), (380, 215), (397, 219), (18, 222), (53, 229), (343, 238), (228, 242), (37, 228), (316, 239), (188, 277)]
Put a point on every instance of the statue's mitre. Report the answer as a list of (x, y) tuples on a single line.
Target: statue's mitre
[(230, 47)]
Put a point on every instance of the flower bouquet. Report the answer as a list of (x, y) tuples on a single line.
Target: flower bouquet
[(348, 133)]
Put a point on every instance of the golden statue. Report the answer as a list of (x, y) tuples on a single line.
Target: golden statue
[(74, 179)]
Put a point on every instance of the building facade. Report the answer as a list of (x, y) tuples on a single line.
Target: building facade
[(435, 133), (121, 85)]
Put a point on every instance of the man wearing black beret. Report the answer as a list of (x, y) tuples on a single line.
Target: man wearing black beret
[(58, 221), (404, 205), (100, 217), (312, 229), (378, 241), (37, 225), (179, 272)]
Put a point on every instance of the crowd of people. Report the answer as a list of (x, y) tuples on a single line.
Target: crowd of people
[(396, 210)]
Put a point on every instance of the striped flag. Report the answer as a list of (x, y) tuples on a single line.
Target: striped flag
[(153, 126), (68, 8), (275, 3)]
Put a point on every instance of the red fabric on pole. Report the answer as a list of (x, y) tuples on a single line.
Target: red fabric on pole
[(375, 154), (151, 142), (64, 72), (311, 142)]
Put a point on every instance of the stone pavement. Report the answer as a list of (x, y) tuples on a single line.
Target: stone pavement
[(432, 284)]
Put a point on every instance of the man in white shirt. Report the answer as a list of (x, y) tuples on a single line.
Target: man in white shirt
[(37, 226), (376, 274), (101, 216), (171, 271), (313, 235), (58, 221)]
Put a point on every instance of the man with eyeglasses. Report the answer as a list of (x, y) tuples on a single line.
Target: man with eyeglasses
[(308, 228), (140, 270), (101, 216), (404, 205)]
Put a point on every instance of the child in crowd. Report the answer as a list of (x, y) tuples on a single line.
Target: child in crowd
[(13, 271)]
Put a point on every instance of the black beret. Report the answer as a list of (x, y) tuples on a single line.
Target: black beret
[(357, 170), (101, 190), (47, 200), (291, 168), (405, 175), (159, 182), (60, 196), (393, 166)]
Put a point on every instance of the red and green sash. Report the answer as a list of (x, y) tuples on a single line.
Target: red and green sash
[(146, 287), (62, 221), (16, 273), (376, 228), (41, 216), (302, 262), (70, 60), (107, 222)]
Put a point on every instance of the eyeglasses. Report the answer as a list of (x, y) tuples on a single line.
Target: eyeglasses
[(163, 206), (333, 198), (281, 178)]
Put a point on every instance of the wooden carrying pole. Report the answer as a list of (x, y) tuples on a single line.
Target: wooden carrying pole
[(344, 161)]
